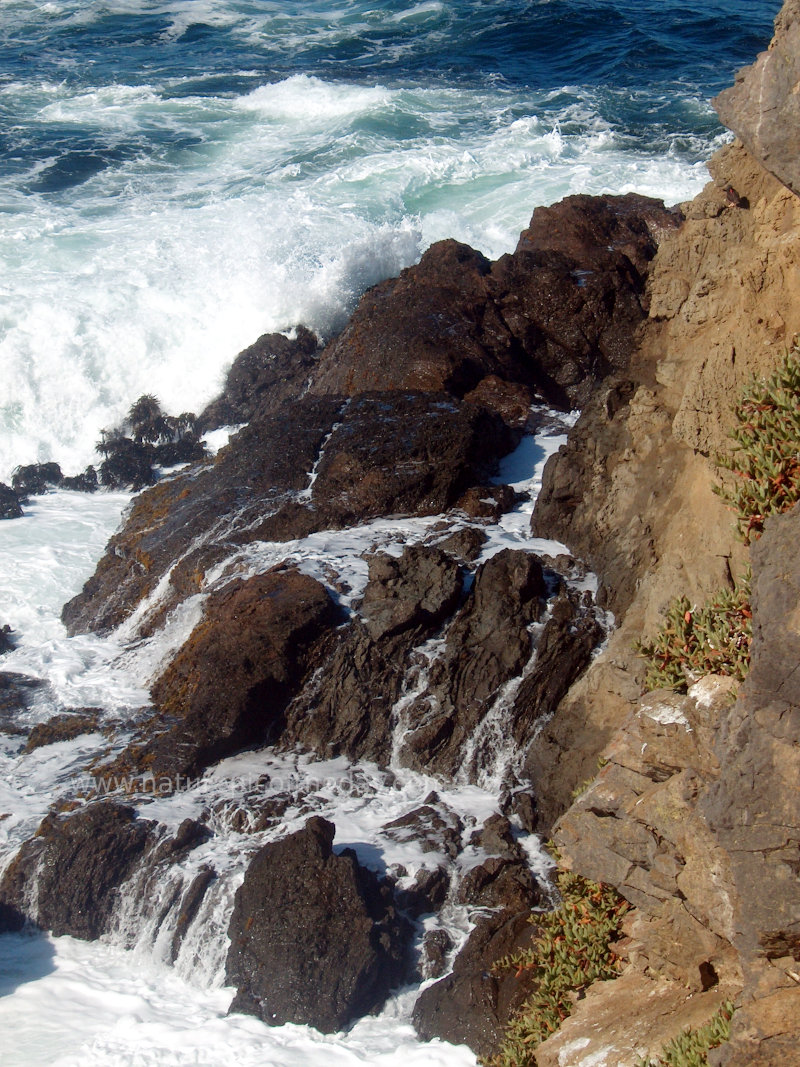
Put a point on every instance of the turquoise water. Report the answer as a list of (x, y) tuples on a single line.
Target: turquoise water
[(177, 178)]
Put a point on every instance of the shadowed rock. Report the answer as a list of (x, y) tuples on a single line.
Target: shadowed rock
[(314, 937), (76, 862), (229, 684), (10, 507)]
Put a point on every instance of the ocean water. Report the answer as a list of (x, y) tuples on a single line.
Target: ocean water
[(180, 176), (177, 178)]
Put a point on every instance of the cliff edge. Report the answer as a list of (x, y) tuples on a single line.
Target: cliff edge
[(694, 816)]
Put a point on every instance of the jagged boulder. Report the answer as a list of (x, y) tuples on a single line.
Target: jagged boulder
[(486, 645), (314, 937), (347, 706), (763, 107), (472, 1005), (230, 683), (267, 374), (65, 879), (417, 590), (10, 507), (573, 295)]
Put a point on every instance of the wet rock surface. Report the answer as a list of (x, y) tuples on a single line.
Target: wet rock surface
[(314, 938), (10, 506), (65, 879), (229, 685), (268, 373), (472, 1005)]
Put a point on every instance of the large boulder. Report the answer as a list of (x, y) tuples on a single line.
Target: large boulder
[(231, 681), (763, 106), (66, 878), (573, 292), (10, 507), (314, 936), (267, 373), (472, 1005), (347, 707)]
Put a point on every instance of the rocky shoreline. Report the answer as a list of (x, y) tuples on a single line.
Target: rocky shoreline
[(456, 646)]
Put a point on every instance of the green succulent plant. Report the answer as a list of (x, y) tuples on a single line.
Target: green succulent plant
[(765, 459), (712, 639), (690, 1048), (574, 947)]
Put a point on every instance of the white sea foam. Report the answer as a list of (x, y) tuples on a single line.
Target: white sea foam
[(78, 1004), (220, 218)]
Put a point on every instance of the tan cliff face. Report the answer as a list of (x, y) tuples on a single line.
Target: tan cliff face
[(694, 815), (632, 492)]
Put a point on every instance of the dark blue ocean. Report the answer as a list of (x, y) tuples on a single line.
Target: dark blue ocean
[(179, 176)]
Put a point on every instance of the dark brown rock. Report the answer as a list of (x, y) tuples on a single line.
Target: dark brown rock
[(426, 895), (563, 651), (268, 373), (487, 644), (500, 882), (63, 727), (487, 502), (10, 507), (419, 590), (378, 415), (16, 694), (433, 957), (472, 1005), (314, 938), (425, 330), (231, 681), (464, 544), (347, 706), (77, 862), (376, 455), (264, 464), (552, 318), (572, 294), (577, 486), (433, 826)]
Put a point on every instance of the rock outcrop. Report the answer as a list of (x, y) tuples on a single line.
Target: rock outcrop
[(763, 107), (66, 878), (693, 814), (405, 412), (230, 683), (314, 937), (454, 653), (632, 492)]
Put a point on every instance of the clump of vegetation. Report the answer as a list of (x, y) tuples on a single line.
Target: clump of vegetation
[(690, 1048), (692, 642), (147, 439), (715, 638), (574, 948), (766, 457)]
